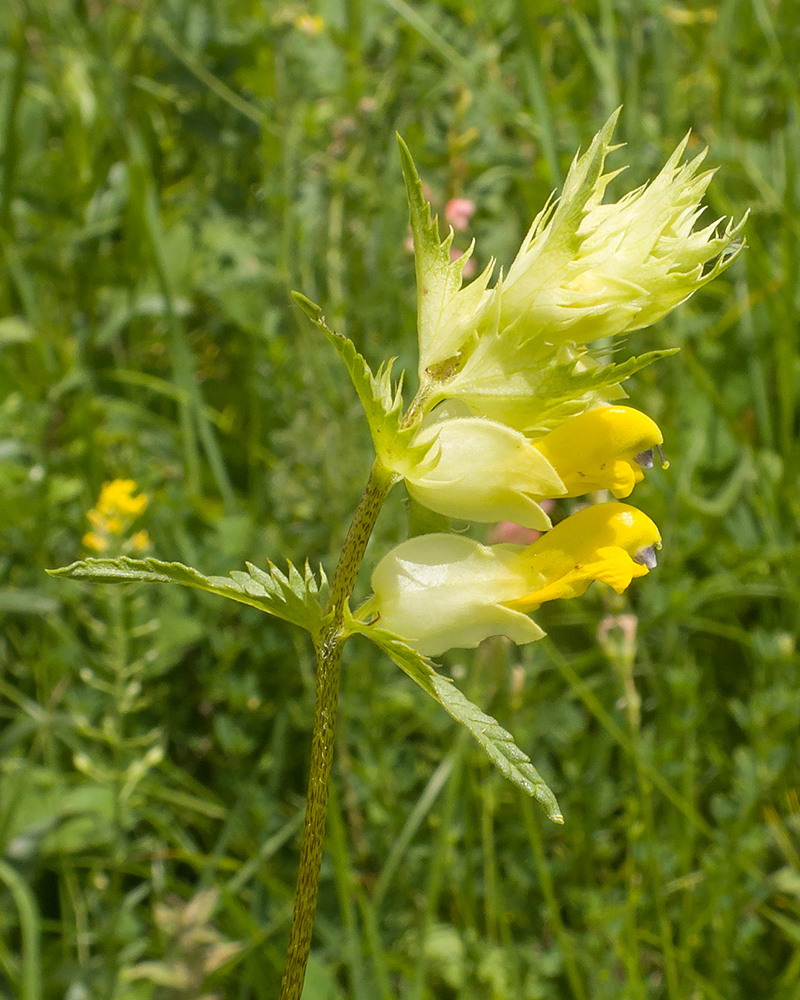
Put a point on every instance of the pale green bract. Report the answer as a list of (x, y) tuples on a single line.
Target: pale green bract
[(588, 270), (447, 314), (534, 398), (585, 271)]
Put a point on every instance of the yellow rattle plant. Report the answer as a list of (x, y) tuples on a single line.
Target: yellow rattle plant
[(514, 407)]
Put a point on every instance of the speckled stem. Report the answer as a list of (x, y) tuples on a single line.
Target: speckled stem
[(329, 662)]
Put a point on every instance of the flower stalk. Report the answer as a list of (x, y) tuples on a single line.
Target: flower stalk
[(328, 648)]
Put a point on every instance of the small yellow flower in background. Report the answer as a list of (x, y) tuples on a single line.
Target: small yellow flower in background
[(117, 498), (118, 506), (140, 541), (311, 24), (96, 542), (441, 591)]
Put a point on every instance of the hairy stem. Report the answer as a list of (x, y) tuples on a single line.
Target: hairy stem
[(329, 662)]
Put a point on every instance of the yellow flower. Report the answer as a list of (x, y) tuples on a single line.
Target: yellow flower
[(611, 542), (140, 541), (116, 498), (111, 518), (607, 448), (92, 540), (114, 525), (442, 591), (483, 470), (311, 24)]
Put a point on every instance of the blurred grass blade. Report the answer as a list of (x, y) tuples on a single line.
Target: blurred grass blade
[(194, 420), (31, 932)]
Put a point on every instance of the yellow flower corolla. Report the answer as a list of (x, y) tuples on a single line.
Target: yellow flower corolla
[(116, 509), (607, 448), (95, 541), (441, 591), (483, 470), (611, 542)]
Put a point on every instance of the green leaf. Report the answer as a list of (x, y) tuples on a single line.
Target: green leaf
[(294, 597), (382, 402), (446, 314), (497, 743)]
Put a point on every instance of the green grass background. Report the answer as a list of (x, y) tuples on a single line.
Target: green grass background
[(169, 171)]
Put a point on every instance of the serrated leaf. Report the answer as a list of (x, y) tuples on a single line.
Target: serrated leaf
[(497, 743), (447, 315), (298, 598), (382, 402)]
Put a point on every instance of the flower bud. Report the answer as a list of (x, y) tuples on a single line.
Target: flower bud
[(607, 448), (585, 271)]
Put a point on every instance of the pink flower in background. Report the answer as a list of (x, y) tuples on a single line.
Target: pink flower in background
[(458, 212), (516, 534), (469, 267)]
